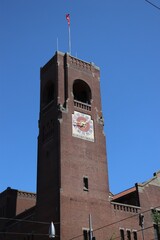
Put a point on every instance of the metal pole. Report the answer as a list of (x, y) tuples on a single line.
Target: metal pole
[(142, 233), (141, 223), (69, 32), (90, 228)]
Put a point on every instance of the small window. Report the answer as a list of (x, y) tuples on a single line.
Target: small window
[(85, 183), (85, 234), (128, 235), (135, 235), (122, 234)]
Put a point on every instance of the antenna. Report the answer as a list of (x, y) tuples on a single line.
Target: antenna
[(57, 44)]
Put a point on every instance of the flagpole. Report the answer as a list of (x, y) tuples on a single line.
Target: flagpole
[(69, 32), (69, 35)]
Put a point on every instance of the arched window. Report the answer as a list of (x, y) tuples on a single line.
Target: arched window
[(48, 93), (82, 91)]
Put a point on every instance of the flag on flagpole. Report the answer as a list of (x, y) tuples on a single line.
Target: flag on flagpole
[(68, 18)]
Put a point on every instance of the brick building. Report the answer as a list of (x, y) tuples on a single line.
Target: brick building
[(72, 173)]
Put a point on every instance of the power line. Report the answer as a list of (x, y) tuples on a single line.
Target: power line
[(22, 220), (124, 219), (42, 234), (27, 221), (97, 229), (153, 4), (31, 234), (121, 220), (23, 233)]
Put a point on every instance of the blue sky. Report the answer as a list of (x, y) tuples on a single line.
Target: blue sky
[(123, 39)]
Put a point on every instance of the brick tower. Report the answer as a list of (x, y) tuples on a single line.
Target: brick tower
[(72, 178)]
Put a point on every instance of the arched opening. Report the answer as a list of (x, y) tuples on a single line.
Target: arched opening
[(48, 93), (82, 91)]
